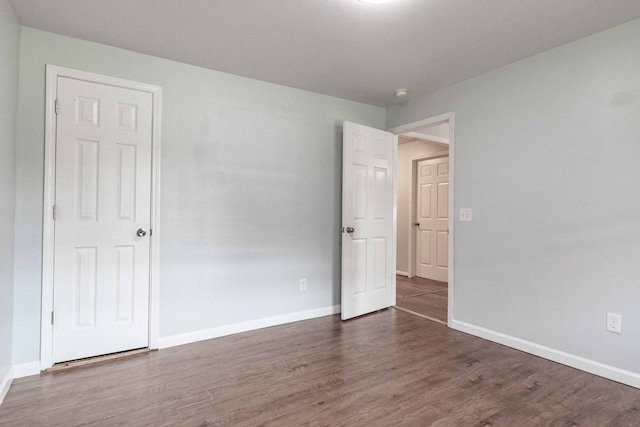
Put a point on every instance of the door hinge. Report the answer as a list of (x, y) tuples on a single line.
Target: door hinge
[(52, 318), (151, 232), (57, 108), (54, 212)]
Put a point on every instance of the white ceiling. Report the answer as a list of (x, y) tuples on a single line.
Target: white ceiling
[(343, 48)]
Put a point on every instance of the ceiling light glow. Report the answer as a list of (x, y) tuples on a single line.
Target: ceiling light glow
[(401, 92), (375, 1)]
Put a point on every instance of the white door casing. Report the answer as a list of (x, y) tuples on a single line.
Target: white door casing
[(368, 220), (432, 219), (417, 126), (102, 175)]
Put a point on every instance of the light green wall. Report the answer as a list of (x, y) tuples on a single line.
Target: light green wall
[(547, 154), (250, 190), (9, 45)]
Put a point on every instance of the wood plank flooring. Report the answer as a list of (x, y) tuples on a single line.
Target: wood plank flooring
[(389, 368), (423, 296)]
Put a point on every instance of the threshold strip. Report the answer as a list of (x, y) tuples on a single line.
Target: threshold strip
[(97, 359), (433, 319)]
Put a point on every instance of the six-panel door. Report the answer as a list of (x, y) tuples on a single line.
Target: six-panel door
[(103, 194), (432, 217), (368, 269)]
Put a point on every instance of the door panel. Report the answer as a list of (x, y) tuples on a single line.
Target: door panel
[(367, 200), (85, 287), (443, 253), (432, 217), (103, 196), (425, 247)]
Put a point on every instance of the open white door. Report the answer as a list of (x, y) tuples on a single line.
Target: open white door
[(368, 208)]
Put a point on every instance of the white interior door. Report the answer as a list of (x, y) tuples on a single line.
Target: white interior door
[(432, 219), (102, 210), (368, 259)]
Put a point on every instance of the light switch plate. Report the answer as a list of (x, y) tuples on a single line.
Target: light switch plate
[(465, 215)]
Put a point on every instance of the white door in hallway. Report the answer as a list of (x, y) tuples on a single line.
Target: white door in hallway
[(102, 218), (368, 259), (432, 219)]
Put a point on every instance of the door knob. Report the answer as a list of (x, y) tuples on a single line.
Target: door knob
[(417, 224), (141, 232), (350, 230)]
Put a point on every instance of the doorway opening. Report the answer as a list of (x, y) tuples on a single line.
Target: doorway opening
[(424, 279)]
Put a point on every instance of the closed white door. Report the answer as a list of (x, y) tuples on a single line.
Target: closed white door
[(368, 261), (102, 218), (432, 219)]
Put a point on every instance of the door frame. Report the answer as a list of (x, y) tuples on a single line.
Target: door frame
[(53, 72), (433, 121)]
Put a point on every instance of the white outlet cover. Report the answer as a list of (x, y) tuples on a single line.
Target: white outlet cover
[(466, 214), (614, 323)]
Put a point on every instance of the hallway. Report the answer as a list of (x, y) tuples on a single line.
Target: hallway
[(423, 297)]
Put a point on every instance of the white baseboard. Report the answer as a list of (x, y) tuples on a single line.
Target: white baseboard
[(402, 273), (26, 369), (610, 372), (5, 383), (207, 334)]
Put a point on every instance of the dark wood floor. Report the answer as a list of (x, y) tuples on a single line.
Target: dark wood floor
[(387, 369), (422, 296)]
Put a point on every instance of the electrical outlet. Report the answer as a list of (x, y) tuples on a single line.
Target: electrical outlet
[(303, 285), (614, 323)]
